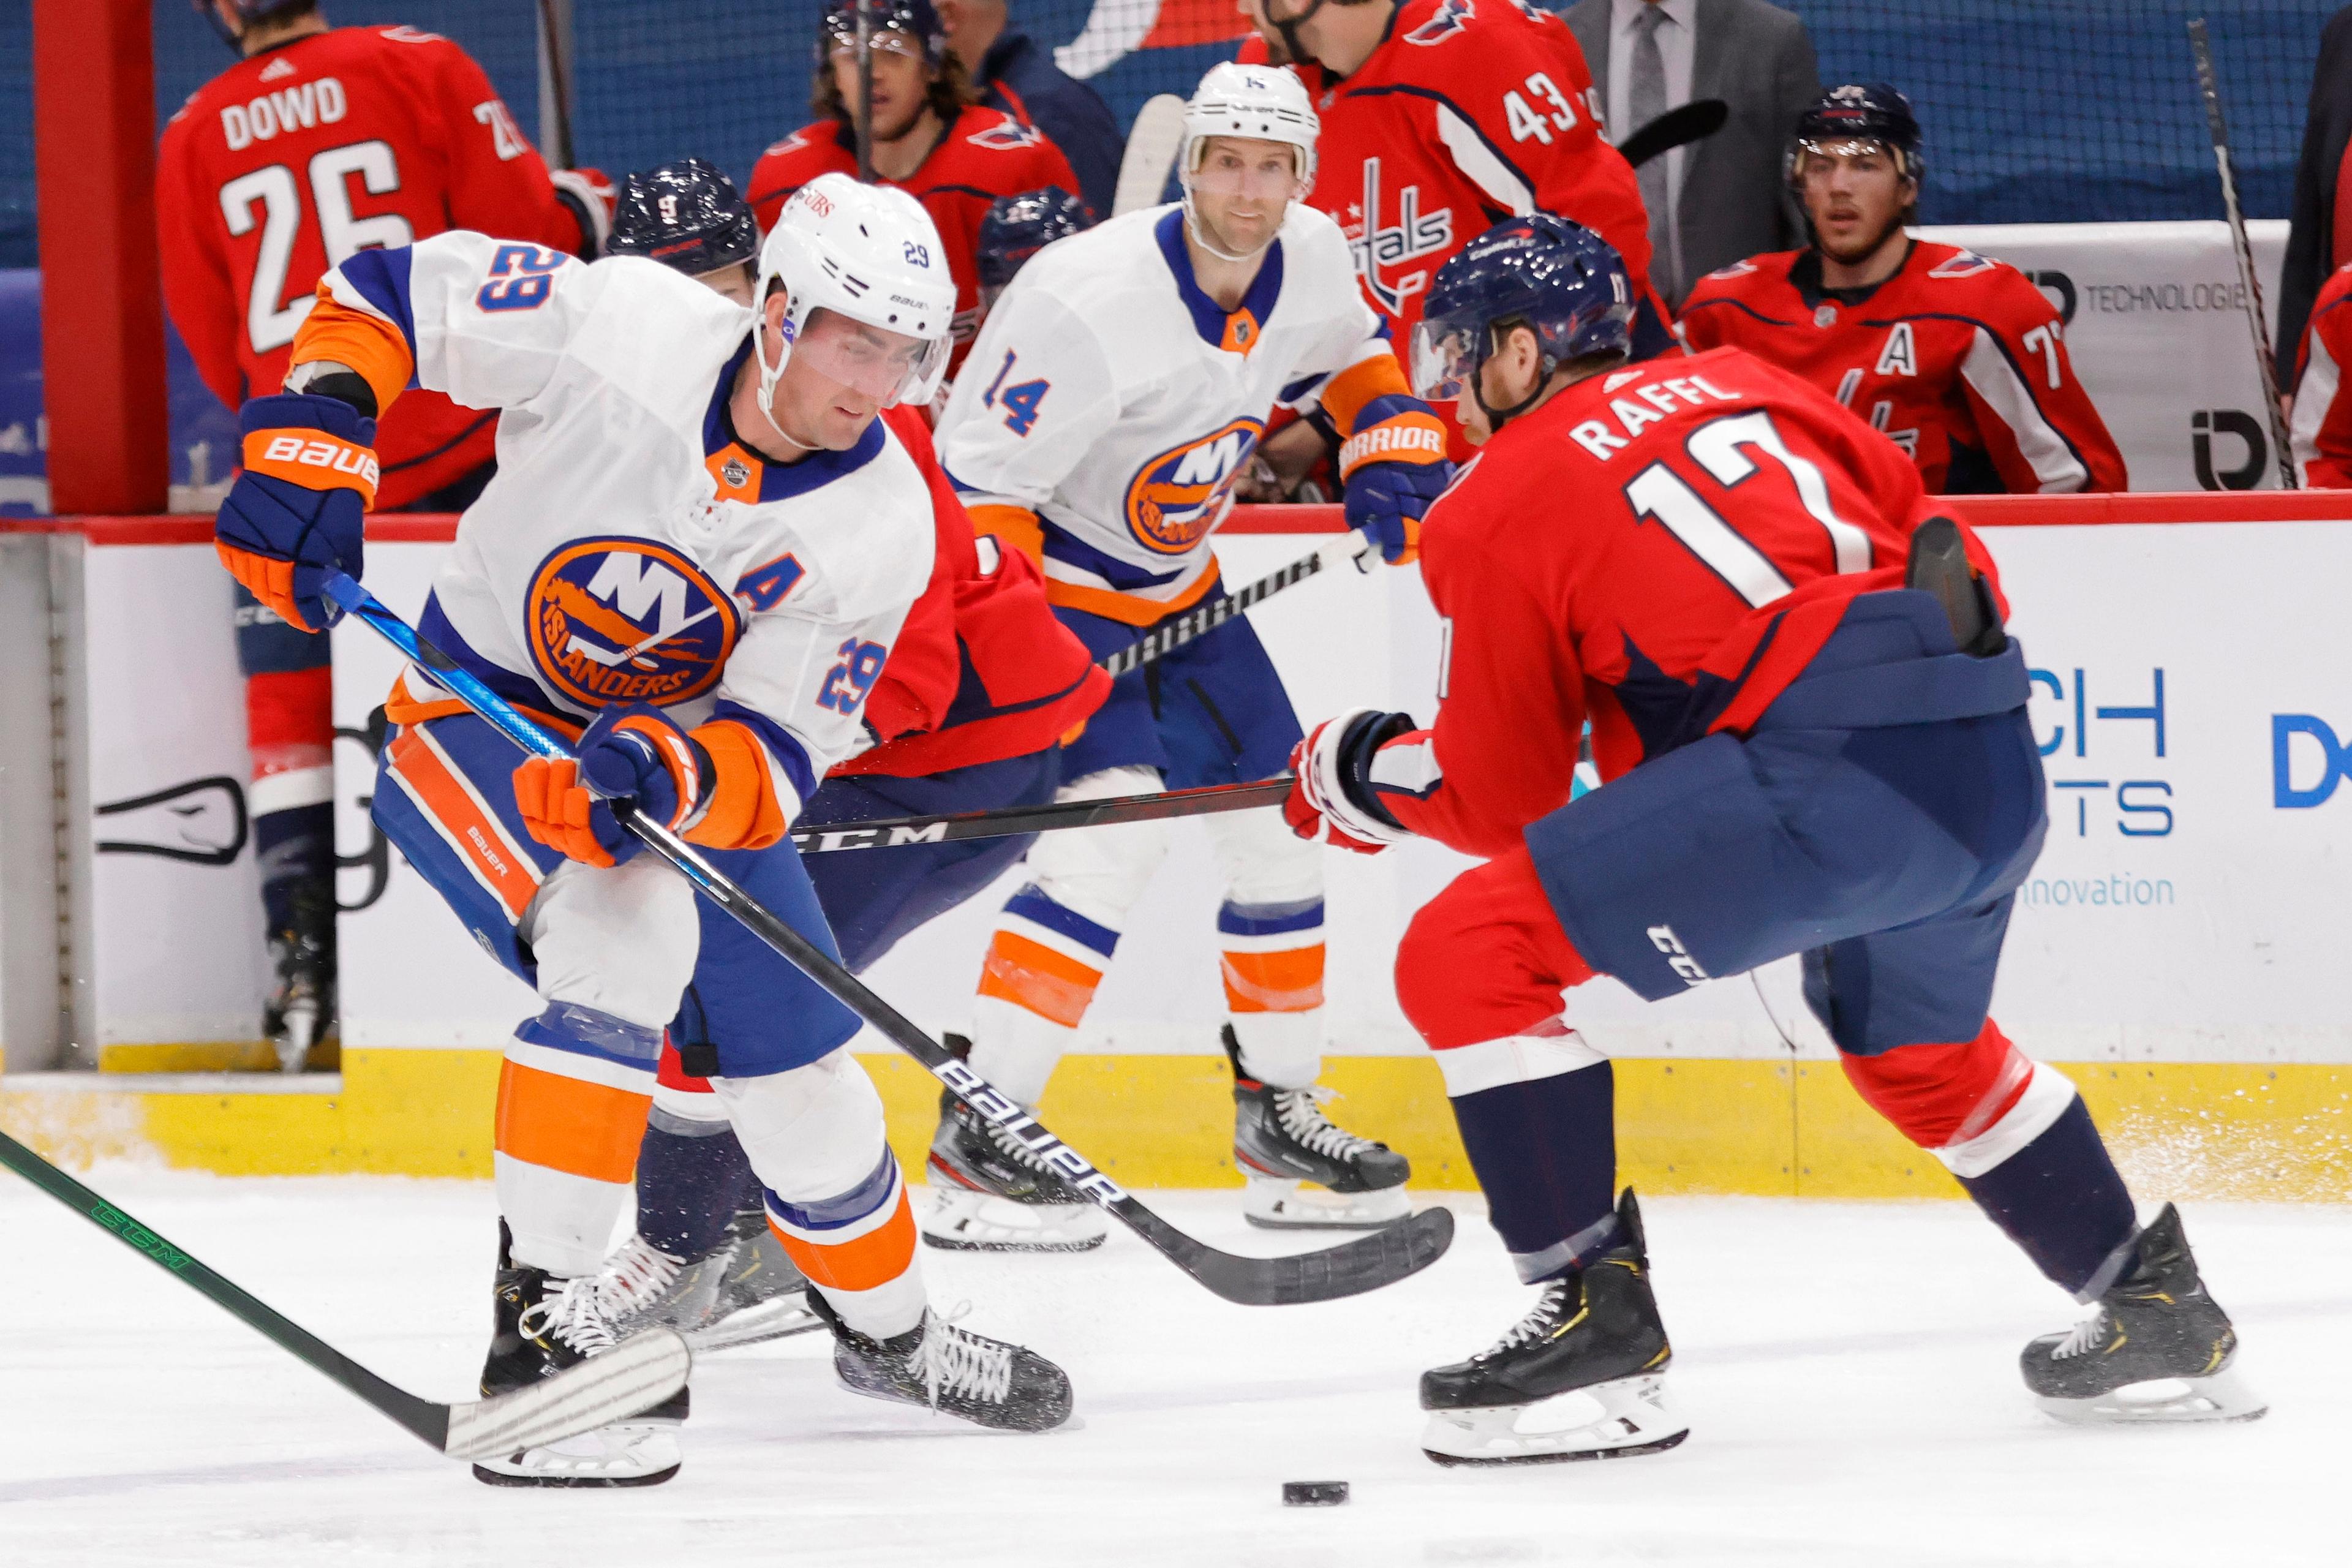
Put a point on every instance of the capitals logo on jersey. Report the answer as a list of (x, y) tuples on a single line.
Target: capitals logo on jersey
[(1445, 24), (628, 620), (1380, 247), (1006, 133), (1176, 498)]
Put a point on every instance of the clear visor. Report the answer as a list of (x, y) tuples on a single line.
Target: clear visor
[(1832, 150), (882, 40), (871, 361), (1444, 358)]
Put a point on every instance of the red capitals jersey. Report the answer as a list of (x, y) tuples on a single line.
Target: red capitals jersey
[(1723, 514), (985, 155), (2321, 428), (1959, 359), (302, 157), (1470, 111), (981, 670)]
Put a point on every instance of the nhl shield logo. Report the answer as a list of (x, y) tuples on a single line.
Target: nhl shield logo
[(628, 620), (1176, 498), (736, 473)]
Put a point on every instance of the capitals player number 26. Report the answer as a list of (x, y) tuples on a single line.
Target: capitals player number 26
[(1722, 447), (343, 233)]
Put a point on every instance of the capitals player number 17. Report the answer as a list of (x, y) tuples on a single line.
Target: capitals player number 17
[(1719, 447)]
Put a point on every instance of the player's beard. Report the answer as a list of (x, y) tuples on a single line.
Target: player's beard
[(1863, 251)]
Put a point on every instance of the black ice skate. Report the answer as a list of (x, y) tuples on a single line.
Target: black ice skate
[(299, 1012), (743, 1291), (2156, 1348), (1304, 1174), (1581, 1377), (542, 1325), (952, 1371), (990, 1195)]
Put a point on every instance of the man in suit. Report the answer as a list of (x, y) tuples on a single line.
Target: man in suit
[(1721, 199), (2319, 235)]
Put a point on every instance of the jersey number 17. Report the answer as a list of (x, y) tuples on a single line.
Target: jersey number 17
[(1722, 447)]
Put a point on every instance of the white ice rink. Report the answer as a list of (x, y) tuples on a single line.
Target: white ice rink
[(1848, 1370)]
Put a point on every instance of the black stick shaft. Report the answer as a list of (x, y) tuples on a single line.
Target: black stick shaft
[(862, 122), (2209, 84), (426, 1419), (888, 833), (1174, 633)]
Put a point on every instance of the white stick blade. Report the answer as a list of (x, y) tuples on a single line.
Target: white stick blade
[(1151, 146), (640, 1371)]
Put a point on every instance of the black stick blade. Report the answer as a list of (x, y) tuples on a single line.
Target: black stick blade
[(1383, 1258), (1677, 127)]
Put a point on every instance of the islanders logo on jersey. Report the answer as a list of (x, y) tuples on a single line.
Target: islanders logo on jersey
[(627, 620), (1176, 498)]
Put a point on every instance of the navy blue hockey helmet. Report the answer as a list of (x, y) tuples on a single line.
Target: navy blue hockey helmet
[(684, 215), (248, 13), (1017, 228), (916, 20), (1860, 111), (1559, 278)]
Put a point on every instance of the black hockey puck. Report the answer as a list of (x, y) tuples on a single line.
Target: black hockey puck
[(1314, 1494)]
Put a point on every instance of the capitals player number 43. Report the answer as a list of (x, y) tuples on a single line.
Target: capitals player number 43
[(1529, 123)]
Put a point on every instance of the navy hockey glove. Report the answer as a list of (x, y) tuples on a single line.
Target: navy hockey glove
[(1385, 501), (635, 753), (298, 509)]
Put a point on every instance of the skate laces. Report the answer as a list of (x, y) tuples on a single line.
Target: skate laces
[(635, 1277), (2086, 1335), (1300, 1111), (574, 1311), (957, 1361), (1537, 1323)]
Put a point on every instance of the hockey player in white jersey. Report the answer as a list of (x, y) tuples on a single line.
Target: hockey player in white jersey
[(1109, 407), (697, 553)]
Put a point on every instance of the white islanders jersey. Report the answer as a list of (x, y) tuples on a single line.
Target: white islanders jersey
[(630, 548), (1110, 399)]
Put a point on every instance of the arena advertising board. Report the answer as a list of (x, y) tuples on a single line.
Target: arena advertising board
[(2189, 693)]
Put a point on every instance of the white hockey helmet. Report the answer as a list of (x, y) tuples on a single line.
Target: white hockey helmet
[(1263, 103), (866, 252)]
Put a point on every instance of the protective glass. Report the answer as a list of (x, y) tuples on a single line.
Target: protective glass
[(1444, 358), (873, 362)]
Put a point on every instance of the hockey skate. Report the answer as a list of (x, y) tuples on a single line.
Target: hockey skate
[(1581, 1377), (299, 1012), (544, 1324), (2156, 1348), (952, 1371), (990, 1195), (1303, 1172), (743, 1291)]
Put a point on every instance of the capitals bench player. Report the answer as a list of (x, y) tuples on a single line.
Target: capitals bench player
[(322, 143), (1960, 360), (1816, 737), (2320, 420), (1111, 402), (1439, 117), (931, 136), (697, 553)]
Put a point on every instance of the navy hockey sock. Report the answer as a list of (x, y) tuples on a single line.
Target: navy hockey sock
[(690, 1187), (296, 851), (2062, 1199), (1546, 1153)]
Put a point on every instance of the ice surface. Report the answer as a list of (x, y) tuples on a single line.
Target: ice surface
[(1848, 1370)]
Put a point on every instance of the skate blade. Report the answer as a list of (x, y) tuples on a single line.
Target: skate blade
[(775, 1319), (2223, 1396), (1611, 1420), (1274, 1202), (626, 1454), (982, 1222)]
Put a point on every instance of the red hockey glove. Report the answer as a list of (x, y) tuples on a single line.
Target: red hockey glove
[(1330, 799)]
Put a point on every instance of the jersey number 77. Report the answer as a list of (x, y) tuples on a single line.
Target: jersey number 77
[(1727, 450)]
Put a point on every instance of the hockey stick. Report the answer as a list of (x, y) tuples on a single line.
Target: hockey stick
[(1153, 142), (863, 120), (636, 1375), (1381, 1258), (2209, 86), (1677, 127), (889, 833), (1174, 633), (555, 38)]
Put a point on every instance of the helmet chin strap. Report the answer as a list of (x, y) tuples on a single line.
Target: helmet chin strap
[(769, 376)]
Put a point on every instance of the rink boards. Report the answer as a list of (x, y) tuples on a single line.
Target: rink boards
[(2179, 947)]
